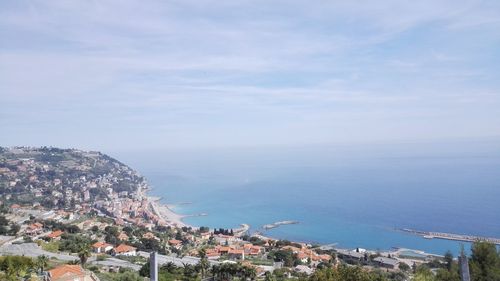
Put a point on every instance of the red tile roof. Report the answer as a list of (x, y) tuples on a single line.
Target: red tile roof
[(55, 234), (122, 248), (101, 245), (174, 242), (66, 271)]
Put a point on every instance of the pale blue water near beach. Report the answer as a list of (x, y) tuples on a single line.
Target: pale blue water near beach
[(354, 196)]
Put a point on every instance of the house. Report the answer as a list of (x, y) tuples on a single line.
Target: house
[(322, 258), (253, 250), (123, 237), (212, 254), (236, 254), (150, 235), (303, 257), (223, 249), (350, 256), (34, 229), (55, 235), (124, 250), (70, 273), (386, 262), (303, 269), (175, 243), (14, 207), (226, 239), (205, 235), (294, 249), (102, 247)]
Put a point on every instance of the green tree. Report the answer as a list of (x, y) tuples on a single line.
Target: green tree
[(144, 271), (485, 262), (424, 274), (84, 254), (249, 272), (14, 228), (203, 264), (344, 273), (448, 259), (404, 267), (445, 275), (42, 263), (15, 267)]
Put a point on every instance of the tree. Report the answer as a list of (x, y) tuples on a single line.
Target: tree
[(84, 254), (404, 267), (249, 272), (42, 262), (189, 271), (448, 259), (269, 276), (203, 265), (445, 275), (343, 273), (424, 274), (144, 271), (485, 262), (14, 228), (15, 266)]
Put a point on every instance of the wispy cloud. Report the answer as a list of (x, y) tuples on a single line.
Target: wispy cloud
[(247, 71)]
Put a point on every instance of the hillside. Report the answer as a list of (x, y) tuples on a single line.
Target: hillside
[(54, 177)]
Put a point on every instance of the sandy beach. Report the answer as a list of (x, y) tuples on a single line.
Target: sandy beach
[(163, 211)]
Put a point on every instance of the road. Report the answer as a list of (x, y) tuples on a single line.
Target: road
[(163, 259), (33, 250), (115, 262)]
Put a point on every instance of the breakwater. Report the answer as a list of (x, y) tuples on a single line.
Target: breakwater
[(279, 223), (451, 236)]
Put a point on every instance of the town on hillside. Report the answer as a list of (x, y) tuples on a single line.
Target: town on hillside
[(67, 214)]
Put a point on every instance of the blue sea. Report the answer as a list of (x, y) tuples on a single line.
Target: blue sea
[(349, 195)]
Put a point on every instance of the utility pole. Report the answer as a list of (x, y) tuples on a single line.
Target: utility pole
[(463, 265), (153, 266)]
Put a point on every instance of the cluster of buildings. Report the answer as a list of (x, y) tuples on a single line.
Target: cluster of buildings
[(307, 255), (75, 181), (65, 178)]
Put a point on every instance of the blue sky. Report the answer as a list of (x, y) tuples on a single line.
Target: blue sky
[(118, 74)]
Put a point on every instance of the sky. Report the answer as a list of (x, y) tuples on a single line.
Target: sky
[(125, 74)]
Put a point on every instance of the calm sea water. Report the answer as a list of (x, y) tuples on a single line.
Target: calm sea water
[(355, 196)]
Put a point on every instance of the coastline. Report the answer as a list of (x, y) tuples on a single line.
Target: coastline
[(166, 213), (172, 218)]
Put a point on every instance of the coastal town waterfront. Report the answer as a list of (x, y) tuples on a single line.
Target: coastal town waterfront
[(74, 206)]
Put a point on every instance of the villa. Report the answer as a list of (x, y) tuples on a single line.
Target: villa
[(124, 250), (102, 247), (55, 235), (34, 229), (70, 273), (175, 243), (386, 262)]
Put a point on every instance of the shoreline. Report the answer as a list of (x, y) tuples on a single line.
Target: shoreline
[(165, 212)]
